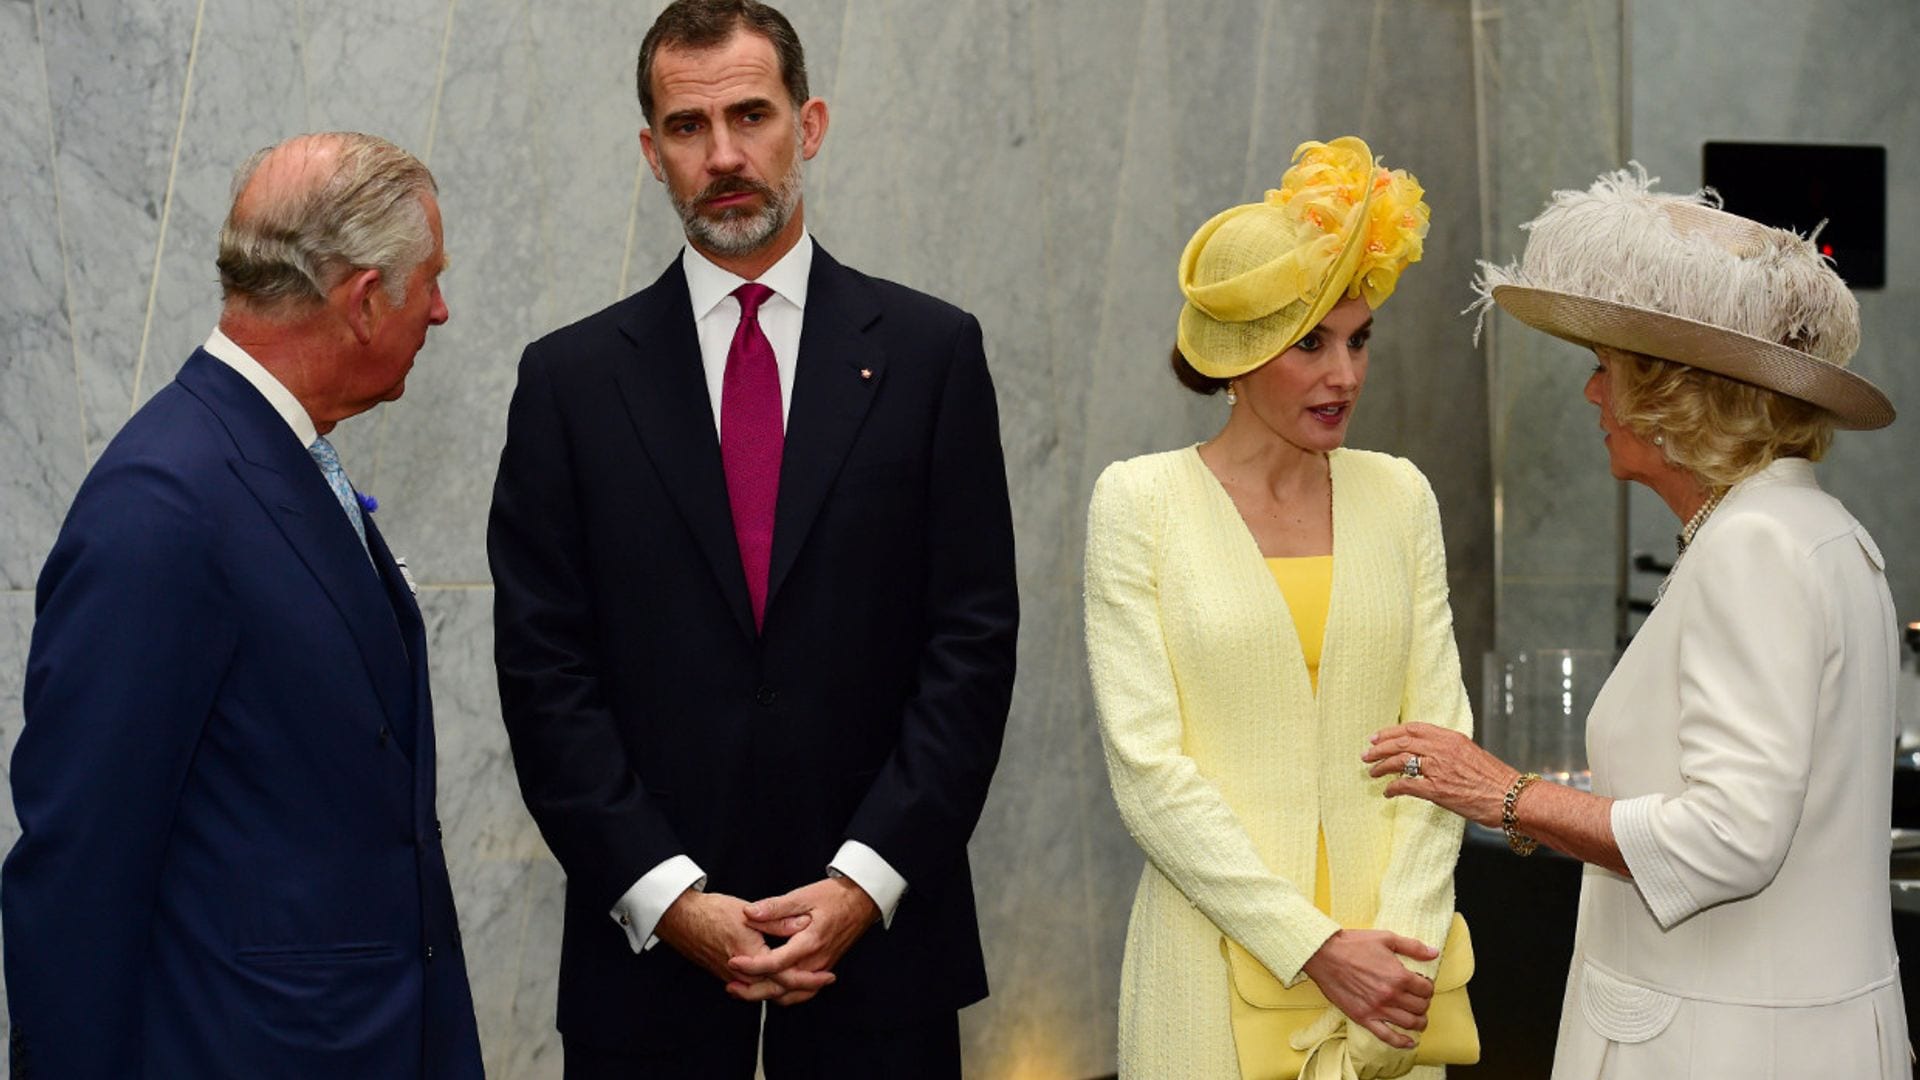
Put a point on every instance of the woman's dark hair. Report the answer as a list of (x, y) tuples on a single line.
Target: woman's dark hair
[(1190, 376)]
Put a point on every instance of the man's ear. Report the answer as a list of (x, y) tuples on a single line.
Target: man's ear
[(652, 153), (362, 297), (813, 127)]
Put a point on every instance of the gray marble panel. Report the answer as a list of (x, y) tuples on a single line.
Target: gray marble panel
[(40, 429), (508, 888), (587, 158), (247, 93), (115, 73), (1132, 404), (1044, 271), (256, 83), (946, 174), (1552, 615), (1549, 75), (434, 451), (1102, 114), (16, 628), (1779, 85), (1558, 498), (373, 66)]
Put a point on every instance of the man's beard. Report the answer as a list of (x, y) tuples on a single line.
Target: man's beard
[(737, 232)]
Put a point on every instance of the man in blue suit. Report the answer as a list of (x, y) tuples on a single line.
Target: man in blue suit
[(229, 864)]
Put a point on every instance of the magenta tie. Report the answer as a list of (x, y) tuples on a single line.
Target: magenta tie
[(751, 437)]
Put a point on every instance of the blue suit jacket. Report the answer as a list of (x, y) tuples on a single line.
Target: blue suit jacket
[(229, 863)]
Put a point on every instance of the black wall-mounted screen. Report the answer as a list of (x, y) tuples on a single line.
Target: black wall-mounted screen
[(1798, 185)]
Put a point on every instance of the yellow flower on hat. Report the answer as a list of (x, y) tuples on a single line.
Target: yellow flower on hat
[(1396, 235), (1257, 277)]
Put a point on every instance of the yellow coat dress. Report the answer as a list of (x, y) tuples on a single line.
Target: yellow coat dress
[(1225, 763)]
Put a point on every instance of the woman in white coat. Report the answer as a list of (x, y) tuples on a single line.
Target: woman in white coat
[(1734, 916)]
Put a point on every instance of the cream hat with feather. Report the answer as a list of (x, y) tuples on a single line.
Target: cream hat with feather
[(1674, 276)]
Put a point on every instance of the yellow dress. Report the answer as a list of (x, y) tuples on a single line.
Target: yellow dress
[(1231, 768), (1307, 584)]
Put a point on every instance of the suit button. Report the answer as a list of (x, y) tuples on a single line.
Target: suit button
[(438, 834), (384, 736), (429, 954), (764, 696)]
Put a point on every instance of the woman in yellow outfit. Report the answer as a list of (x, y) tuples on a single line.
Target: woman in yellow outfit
[(1256, 607)]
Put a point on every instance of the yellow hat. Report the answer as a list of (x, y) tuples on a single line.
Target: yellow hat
[(1258, 277)]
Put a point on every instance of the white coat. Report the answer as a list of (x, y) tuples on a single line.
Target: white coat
[(1747, 735)]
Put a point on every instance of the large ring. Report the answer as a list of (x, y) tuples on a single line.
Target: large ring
[(1411, 769)]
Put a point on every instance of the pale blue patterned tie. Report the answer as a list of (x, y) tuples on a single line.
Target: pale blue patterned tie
[(329, 462)]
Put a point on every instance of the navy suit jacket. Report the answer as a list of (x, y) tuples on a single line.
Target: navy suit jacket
[(229, 864), (647, 717)]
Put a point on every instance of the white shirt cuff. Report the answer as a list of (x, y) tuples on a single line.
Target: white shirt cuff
[(639, 911), (1660, 886), (863, 866)]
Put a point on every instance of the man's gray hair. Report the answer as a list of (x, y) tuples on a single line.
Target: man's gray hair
[(364, 210)]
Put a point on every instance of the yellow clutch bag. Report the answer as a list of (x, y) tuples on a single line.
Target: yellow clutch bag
[(1266, 1015)]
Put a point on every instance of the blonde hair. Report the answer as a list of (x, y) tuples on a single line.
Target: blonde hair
[(1719, 429)]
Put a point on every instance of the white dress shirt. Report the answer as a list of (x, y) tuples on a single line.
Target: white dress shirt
[(221, 348), (716, 315)]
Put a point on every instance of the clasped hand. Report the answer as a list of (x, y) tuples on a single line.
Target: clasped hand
[(1361, 973), (728, 937)]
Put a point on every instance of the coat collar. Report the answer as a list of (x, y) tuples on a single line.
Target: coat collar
[(1794, 472), (282, 476), (664, 389), (1248, 565), (840, 370)]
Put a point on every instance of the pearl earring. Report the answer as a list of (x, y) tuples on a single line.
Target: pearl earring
[(1232, 398), (1659, 440)]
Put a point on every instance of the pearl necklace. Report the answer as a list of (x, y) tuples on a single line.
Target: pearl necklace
[(1685, 538), (1698, 519)]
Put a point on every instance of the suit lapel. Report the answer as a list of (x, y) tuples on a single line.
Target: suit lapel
[(280, 474), (413, 630), (664, 389), (406, 609), (837, 374)]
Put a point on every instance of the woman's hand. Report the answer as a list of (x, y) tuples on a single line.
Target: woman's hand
[(1455, 773), (1361, 974)]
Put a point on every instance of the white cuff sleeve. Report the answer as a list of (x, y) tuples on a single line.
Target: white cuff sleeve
[(1666, 895), (864, 867), (639, 911)]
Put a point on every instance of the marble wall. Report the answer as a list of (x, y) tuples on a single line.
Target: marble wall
[(1549, 75), (1552, 74), (1841, 73), (1040, 163)]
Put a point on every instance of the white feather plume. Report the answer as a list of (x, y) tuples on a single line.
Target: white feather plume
[(1621, 241)]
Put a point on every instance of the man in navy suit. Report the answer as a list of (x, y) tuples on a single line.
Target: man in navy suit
[(755, 614), (229, 864)]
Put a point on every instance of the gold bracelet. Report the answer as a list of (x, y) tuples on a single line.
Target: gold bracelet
[(1519, 842)]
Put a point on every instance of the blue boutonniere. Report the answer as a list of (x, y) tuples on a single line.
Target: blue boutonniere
[(368, 504)]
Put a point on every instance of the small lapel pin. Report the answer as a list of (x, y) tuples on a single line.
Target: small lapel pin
[(866, 373)]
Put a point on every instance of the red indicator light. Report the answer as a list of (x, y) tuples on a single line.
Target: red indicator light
[(1827, 250)]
